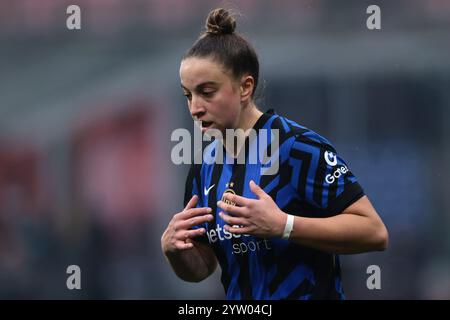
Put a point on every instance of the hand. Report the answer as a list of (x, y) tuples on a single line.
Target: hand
[(258, 217), (178, 235)]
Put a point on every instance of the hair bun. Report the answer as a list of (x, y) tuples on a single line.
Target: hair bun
[(220, 21)]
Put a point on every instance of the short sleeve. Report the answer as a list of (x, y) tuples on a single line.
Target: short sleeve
[(321, 178)]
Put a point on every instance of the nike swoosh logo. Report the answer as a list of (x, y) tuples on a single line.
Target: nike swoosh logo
[(207, 190)]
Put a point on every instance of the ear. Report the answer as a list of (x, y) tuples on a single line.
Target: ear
[(247, 85)]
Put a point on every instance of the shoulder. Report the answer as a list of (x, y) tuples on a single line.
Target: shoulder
[(299, 137)]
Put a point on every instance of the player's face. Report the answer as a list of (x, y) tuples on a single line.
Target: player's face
[(213, 95)]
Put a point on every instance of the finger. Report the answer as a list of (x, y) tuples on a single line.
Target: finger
[(189, 213), (257, 190), (237, 230), (196, 233), (233, 220), (192, 203), (240, 211), (188, 224), (239, 200), (189, 234), (181, 245)]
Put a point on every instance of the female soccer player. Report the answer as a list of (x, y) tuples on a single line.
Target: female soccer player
[(275, 236)]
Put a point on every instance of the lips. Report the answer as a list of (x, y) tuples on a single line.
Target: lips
[(206, 124)]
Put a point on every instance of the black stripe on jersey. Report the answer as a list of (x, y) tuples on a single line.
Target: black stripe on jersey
[(320, 262), (285, 173), (266, 180), (304, 209), (321, 172), (319, 178), (267, 154), (238, 177), (304, 288), (283, 135), (305, 157), (286, 263), (277, 124), (194, 172), (351, 194), (332, 191), (212, 203), (212, 198), (324, 273), (351, 190), (194, 175), (284, 169)]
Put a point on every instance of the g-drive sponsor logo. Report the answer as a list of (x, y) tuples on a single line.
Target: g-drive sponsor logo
[(331, 160)]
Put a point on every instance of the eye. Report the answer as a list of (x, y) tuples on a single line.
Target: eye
[(188, 96), (208, 93)]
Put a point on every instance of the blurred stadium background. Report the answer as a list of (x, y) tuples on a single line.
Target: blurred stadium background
[(86, 118)]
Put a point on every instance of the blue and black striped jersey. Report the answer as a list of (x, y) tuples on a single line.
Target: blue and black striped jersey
[(312, 181)]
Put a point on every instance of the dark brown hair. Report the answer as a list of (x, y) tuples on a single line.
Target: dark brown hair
[(221, 43)]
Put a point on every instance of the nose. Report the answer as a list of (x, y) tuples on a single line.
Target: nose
[(197, 108)]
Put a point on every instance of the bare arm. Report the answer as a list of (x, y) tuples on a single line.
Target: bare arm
[(357, 229), (191, 260), (195, 264)]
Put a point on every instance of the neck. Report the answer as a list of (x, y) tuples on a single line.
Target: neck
[(247, 119), (249, 115)]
